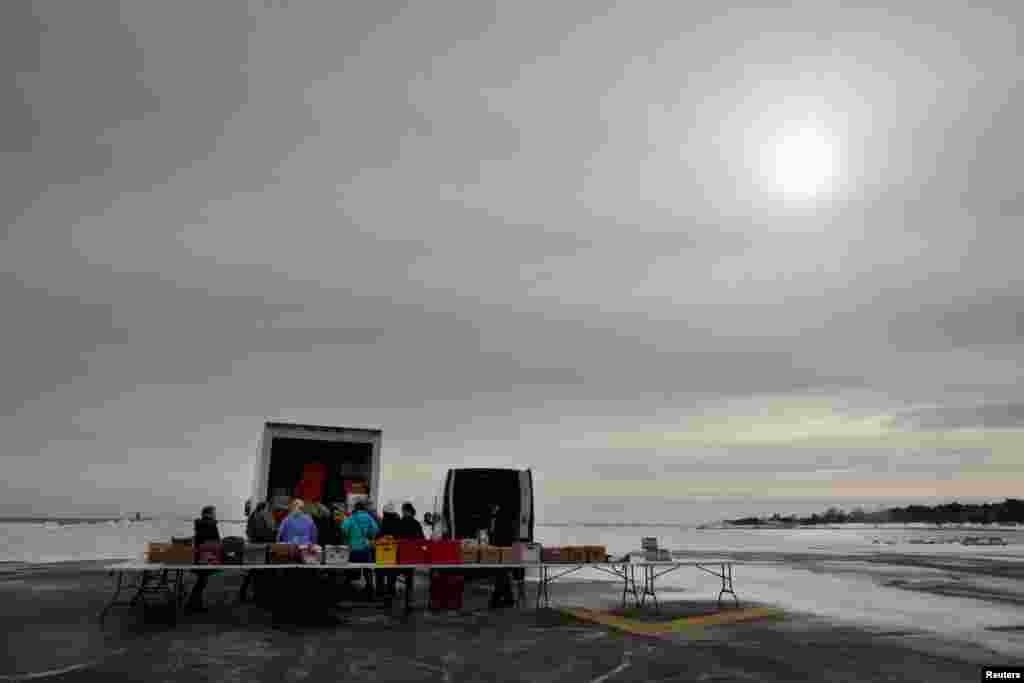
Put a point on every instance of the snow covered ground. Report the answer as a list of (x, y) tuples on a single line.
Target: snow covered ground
[(974, 594)]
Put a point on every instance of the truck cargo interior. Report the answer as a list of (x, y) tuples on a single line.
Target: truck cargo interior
[(475, 490), (343, 460)]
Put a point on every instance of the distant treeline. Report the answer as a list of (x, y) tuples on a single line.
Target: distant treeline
[(1010, 510)]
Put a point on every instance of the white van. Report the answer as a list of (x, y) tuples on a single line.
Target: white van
[(462, 507)]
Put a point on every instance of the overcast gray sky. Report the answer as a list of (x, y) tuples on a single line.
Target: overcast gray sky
[(680, 258)]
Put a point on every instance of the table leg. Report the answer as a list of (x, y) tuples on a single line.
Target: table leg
[(542, 588), (727, 587), (117, 593), (408, 590)]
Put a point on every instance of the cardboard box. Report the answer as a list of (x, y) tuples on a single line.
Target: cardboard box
[(169, 553), (470, 553), (574, 553), (596, 553), (506, 555), (490, 554), (283, 553)]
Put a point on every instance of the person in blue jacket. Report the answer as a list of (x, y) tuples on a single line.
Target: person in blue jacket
[(297, 527), (358, 530)]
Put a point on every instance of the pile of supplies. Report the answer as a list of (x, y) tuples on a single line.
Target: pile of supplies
[(650, 552), (575, 554)]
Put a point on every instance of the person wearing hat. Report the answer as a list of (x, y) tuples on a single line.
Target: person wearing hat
[(390, 525)]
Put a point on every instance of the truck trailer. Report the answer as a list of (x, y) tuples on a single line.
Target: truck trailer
[(346, 458)]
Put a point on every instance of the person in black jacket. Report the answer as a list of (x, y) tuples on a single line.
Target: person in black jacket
[(206, 531), (390, 525), (499, 534), (260, 528), (409, 526)]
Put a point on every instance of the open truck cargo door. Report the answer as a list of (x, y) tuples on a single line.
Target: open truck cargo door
[(468, 494), (526, 505), (338, 455)]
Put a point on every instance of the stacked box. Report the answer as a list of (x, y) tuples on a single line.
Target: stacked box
[(336, 554), (575, 553), (552, 555), (283, 553), (470, 553), (490, 554), (526, 552), (596, 553), (255, 553), (506, 554), (649, 543), (169, 553)]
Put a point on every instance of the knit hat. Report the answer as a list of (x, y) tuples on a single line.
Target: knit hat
[(389, 508)]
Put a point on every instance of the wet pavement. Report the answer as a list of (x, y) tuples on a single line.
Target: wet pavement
[(52, 633)]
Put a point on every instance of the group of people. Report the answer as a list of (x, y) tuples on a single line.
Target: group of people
[(357, 530), (335, 526)]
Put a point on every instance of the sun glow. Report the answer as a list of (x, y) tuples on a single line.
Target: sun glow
[(800, 161)]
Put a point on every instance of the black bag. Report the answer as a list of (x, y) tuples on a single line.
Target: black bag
[(234, 549)]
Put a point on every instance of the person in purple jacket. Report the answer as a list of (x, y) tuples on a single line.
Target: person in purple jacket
[(299, 602), (297, 527)]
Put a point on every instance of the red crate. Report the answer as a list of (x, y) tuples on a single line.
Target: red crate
[(413, 552), (445, 552)]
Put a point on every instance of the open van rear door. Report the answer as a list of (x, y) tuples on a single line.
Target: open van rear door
[(526, 505)]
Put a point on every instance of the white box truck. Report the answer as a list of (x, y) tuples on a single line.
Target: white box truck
[(347, 454)]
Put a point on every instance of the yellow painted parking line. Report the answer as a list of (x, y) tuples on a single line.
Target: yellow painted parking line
[(660, 628)]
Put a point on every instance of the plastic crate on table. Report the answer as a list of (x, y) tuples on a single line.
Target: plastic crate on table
[(283, 553), (210, 553), (490, 554), (255, 553), (445, 552), (553, 554), (310, 554), (234, 549), (336, 554), (526, 552), (413, 551), (386, 552)]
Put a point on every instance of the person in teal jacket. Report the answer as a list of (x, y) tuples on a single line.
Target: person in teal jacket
[(358, 530)]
